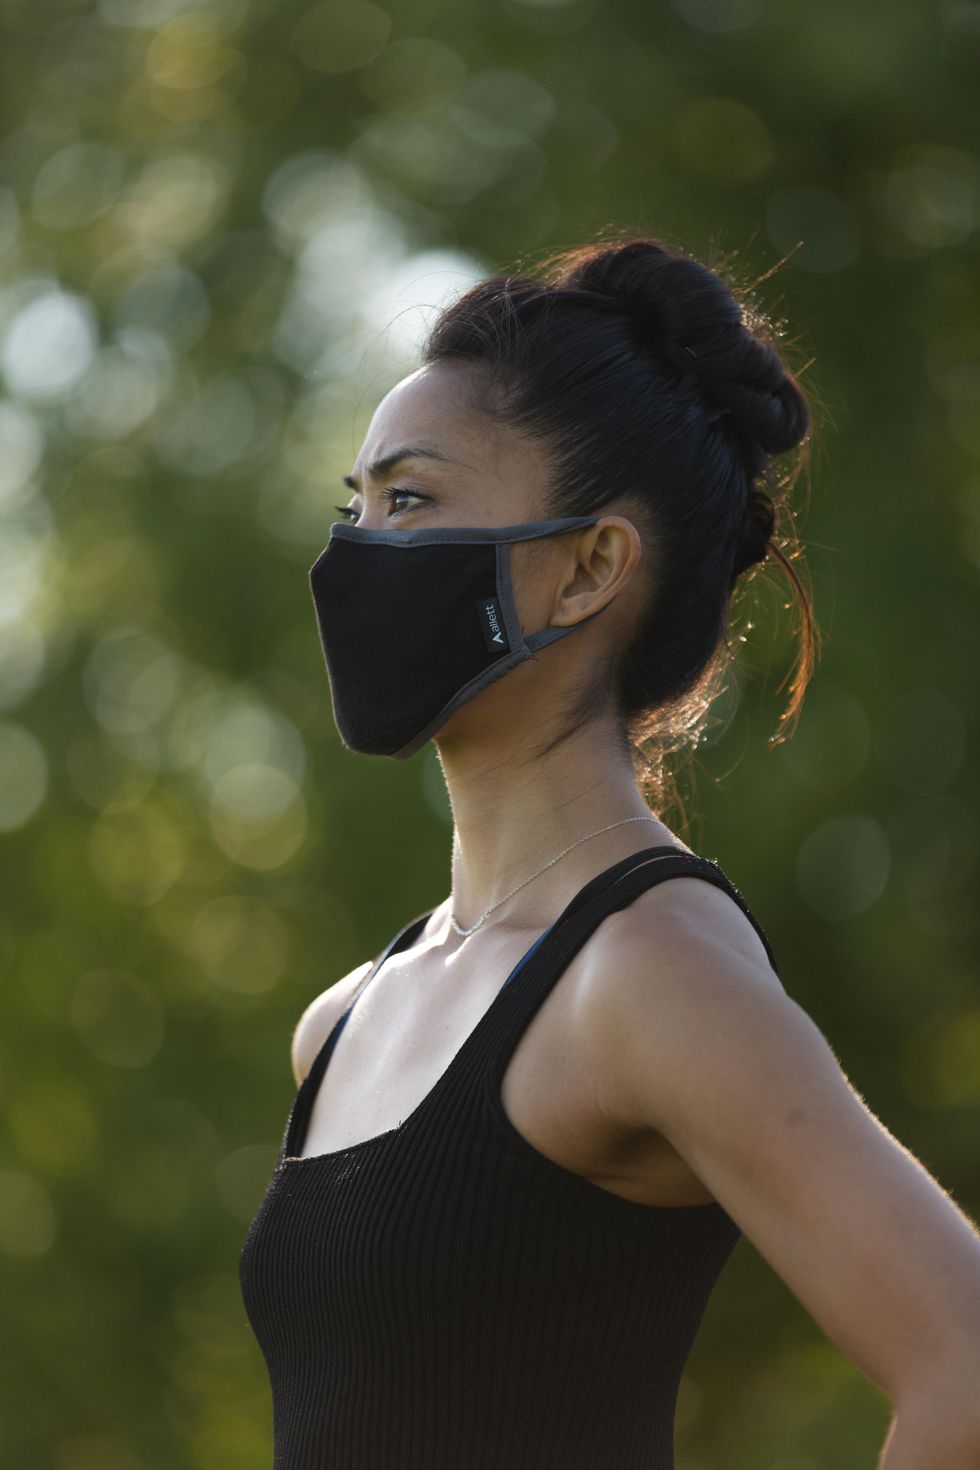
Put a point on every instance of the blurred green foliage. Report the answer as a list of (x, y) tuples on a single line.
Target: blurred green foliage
[(223, 226)]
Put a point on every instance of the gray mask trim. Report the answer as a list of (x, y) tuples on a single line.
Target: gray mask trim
[(521, 648), (453, 535)]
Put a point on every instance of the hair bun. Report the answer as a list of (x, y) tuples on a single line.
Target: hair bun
[(689, 319), (755, 532)]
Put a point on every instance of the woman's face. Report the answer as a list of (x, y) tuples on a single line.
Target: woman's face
[(432, 458)]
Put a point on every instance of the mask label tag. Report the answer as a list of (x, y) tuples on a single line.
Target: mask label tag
[(493, 625)]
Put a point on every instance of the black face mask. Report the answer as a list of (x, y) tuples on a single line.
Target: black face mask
[(415, 623)]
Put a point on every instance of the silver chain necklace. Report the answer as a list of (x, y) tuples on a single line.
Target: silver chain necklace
[(487, 912)]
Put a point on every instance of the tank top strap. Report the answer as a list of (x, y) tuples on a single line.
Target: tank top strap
[(613, 889), (298, 1119)]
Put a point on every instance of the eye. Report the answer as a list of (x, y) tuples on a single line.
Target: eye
[(392, 493), (389, 493)]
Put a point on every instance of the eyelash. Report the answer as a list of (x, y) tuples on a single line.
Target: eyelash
[(390, 492)]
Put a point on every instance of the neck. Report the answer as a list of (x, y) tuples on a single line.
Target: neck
[(511, 817)]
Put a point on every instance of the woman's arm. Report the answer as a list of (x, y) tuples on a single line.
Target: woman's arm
[(928, 1432), (710, 1051)]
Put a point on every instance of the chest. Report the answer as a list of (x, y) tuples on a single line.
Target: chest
[(557, 1091)]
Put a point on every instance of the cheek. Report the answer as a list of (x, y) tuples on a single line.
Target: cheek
[(533, 584)]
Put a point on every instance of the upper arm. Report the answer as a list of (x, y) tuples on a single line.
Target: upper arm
[(319, 1019), (737, 1076)]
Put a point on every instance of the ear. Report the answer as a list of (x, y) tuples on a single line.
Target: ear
[(602, 562)]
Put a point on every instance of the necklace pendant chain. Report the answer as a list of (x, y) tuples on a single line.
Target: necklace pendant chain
[(487, 912)]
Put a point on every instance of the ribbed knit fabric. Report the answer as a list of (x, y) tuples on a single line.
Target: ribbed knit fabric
[(444, 1297)]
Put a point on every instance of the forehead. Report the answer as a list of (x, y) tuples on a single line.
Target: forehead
[(438, 405), (434, 403)]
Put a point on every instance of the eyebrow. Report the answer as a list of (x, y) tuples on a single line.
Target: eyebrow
[(381, 466)]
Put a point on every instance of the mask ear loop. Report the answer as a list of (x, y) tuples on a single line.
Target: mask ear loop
[(508, 605), (505, 586), (550, 635)]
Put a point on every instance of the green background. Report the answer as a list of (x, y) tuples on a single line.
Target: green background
[(223, 227)]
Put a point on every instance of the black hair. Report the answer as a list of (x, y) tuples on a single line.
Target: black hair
[(644, 372)]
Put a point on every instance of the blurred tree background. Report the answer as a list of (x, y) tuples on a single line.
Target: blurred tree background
[(224, 225)]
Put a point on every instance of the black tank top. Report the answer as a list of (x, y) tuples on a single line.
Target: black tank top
[(445, 1297)]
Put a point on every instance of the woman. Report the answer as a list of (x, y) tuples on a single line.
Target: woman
[(497, 1217)]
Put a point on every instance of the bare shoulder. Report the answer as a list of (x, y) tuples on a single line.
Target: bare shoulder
[(320, 1017), (655, 993), (690, 916)]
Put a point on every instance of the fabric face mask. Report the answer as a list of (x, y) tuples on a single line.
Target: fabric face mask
[(415, 623)]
